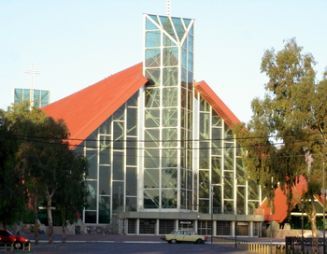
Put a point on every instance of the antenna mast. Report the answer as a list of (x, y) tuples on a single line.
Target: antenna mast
[(168, 7)]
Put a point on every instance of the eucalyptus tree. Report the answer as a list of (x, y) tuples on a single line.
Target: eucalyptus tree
[(285, 137)]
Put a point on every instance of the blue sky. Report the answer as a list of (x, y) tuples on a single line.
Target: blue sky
[(75, 43)]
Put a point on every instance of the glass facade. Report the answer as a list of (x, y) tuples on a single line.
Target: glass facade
[(167, 152), (168, 106), (36, 98)]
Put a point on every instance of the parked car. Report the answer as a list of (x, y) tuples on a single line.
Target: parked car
[(184, 236), (17, 241)]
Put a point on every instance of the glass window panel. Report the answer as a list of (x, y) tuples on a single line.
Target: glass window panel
[(204, 155), (151, 178), (152, 118), (169, 117), (91, 198), (169, 178), (152, 98), (253, 190), (228, 207), (169, 137), (104, 153), (90, 217), (167, 42), (228, 133), (104, 210), (216, 199), (240, 172), (170, 76), (169, 198), (151, 158), (169, 98), (183, 199), (204, 206), (118, 131), (183, 99), (166, 24), (183, 178), (216, 169), (149, 25), (170, 56), (240, 199), (131, 204), (117, 196), (204, 184), (104, 180), (229, 156), (224, 228), (151, 199), (204, 105), (91, 141), (119, 114), (152, 39), (91, 156), (105, 128), (118, 165), (132, 121), (179, 27), (153, 75), (190, 44), (155, 20), (190, 78), (151, 137), (152, 57), (131, 181), (184, 77), (187, 22), (131, 152), (169, 158), (133, 100), (216, 120), (228, 185), (204, 126)]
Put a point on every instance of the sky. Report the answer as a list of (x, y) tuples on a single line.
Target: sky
[(75, 43)]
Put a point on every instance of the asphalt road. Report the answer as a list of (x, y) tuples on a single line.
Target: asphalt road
[(131, 248)]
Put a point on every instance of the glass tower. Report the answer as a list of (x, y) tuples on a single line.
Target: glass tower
[(36, 98), (168, 103)]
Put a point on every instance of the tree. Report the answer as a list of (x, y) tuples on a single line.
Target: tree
[(287, 126), (71, 195), (12, 191), (46, 160)]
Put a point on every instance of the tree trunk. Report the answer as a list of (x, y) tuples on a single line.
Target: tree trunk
[(50, 220), (63, 219), (312, 217), (36, 227)]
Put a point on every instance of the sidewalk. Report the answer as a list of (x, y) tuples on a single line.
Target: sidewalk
[(99, 238)]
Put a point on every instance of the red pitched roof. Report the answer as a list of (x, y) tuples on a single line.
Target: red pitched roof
[(216, 103), (85, 110)]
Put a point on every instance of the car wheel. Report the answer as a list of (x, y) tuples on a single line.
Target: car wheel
[(173, 241), (18, 245), (199, 241)]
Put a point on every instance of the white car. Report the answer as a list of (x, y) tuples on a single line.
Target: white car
[(184, 236)]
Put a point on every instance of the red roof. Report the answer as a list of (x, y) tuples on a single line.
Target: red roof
[(86, 110), (216, 103)]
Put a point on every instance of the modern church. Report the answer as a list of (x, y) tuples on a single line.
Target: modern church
[(160, 147)]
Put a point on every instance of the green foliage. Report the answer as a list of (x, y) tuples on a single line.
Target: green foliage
[(12, 192), (288, 123), (39, 153)]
